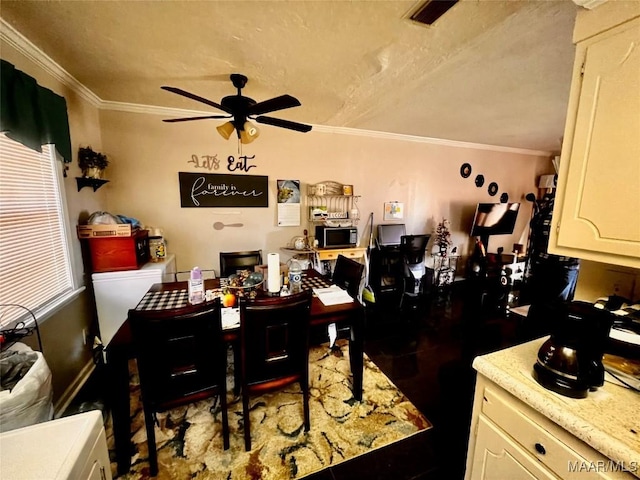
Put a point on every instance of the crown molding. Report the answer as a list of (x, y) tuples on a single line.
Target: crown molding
[(429, 140), (18, 41), (151, 109), (178, 112), (22, 44)]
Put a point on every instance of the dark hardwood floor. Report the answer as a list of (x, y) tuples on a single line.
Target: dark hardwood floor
[(426, 349)]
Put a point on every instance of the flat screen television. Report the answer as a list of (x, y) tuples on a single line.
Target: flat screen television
[(389, 235), (494, 219)]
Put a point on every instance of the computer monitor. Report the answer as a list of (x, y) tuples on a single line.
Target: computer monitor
[(389, 235)]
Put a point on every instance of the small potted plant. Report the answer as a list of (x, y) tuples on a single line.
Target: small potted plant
[(92, 163)]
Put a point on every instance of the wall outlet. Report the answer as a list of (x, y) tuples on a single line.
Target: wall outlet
[(620, 283)]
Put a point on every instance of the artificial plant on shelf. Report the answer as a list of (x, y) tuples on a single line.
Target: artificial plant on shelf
[(91, 163), (443, 237)]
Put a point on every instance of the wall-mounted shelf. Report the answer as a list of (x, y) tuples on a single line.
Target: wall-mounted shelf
[(96, 183), (333, 203)]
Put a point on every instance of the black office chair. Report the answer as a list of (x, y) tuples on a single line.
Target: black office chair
[(274, 338), (231, 262), (412, 250), (348, 274), (182, 358)]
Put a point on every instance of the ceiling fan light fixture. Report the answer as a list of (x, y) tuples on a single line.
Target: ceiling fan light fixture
[(225, 130), (249, 133)]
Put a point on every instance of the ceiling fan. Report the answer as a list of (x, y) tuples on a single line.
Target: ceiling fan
[(240, 109)]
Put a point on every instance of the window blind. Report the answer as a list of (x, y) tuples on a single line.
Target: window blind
[(35, 266)]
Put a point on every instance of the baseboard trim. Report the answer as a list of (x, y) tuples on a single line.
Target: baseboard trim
[(70, 393)]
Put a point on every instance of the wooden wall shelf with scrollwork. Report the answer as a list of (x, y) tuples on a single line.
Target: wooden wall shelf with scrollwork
[(95, 183)]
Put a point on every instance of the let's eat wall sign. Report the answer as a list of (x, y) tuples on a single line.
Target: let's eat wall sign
[(222, 190)]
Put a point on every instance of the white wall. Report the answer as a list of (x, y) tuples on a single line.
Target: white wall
[(147, 155)]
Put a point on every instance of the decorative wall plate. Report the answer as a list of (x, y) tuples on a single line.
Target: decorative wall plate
[(504, 198), (479, 180), (493, 188), (465, 170)]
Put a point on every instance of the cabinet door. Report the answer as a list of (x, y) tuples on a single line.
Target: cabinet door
[(97, 466), (597, 209), (498, 457), (97, 472)]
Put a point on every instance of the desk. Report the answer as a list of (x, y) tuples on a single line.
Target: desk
[(121, 349)]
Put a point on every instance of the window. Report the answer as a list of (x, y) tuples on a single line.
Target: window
[(35, 258)]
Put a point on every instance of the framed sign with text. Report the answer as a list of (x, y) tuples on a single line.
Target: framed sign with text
[(223, 190)]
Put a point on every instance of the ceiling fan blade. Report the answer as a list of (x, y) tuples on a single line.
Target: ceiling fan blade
[(277, 103), (197, 98), (188, 119), (277, 122)]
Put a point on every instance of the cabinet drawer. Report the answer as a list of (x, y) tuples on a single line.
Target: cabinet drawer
[(501, 458), (352, 253), (328, 255), (333, 254), (549, 448)]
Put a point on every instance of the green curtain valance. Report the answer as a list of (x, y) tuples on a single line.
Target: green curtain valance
[(31, 114)]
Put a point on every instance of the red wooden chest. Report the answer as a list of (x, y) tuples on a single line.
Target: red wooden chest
[(112, 254)]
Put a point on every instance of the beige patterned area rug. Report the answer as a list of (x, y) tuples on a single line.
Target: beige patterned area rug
[(189, 439)]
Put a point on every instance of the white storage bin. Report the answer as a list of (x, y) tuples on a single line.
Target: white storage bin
[(30, 400)]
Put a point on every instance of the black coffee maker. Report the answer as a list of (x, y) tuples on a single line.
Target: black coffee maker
[(570, 361)]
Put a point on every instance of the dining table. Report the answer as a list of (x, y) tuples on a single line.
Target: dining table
[(349, 316)]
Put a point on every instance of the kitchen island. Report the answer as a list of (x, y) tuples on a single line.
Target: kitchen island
[(519, 429)]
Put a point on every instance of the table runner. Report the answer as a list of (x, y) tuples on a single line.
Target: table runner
[(164, 300), (179, 298)]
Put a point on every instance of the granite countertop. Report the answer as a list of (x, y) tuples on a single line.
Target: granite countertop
[(608, 420)]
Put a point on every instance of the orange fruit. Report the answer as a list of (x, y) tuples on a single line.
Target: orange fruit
[(229, 300)]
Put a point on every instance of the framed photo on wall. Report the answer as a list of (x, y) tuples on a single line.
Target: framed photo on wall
[(393, 211)]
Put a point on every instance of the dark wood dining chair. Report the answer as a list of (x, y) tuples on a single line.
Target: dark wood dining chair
[(348, 274), (182, 358), (231, 262), (185, 275), (274, 338)]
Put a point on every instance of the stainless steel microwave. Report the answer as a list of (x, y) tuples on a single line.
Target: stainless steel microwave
[(336, 237)]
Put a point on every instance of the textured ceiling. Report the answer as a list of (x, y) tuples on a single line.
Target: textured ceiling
[(489, 71)]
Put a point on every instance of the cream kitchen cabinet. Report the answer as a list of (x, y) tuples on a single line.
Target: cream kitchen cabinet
[(597, 208), (68, 448), (520, 430), (515, 442)]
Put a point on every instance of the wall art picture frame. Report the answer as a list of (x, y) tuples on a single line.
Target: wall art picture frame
[(393, 211), (347, 190)]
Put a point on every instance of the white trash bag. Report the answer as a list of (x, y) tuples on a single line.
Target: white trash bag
[(28, 398)]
